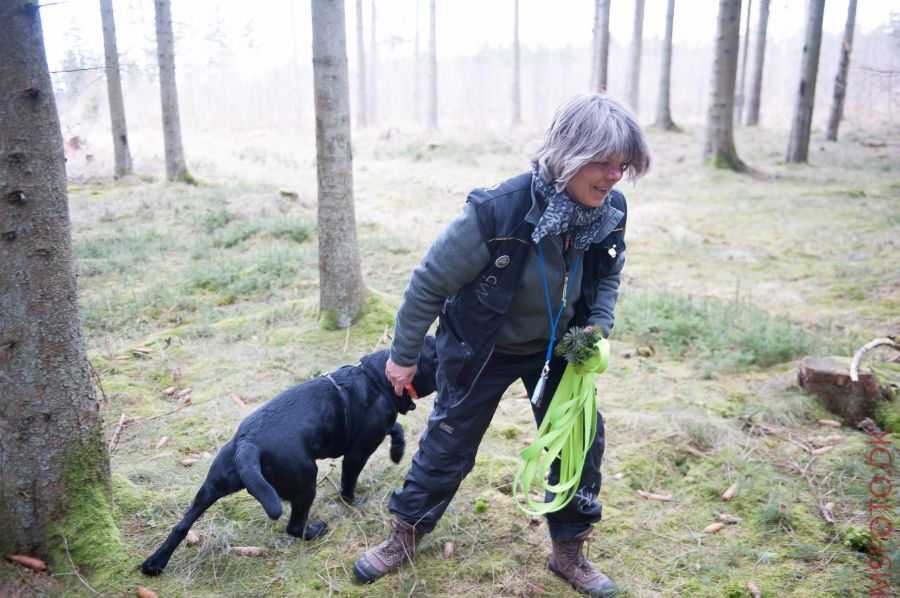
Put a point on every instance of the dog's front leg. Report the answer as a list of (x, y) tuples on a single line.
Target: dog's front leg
[(350, 470)]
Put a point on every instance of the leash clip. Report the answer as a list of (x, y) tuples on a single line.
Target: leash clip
[(538, 394)]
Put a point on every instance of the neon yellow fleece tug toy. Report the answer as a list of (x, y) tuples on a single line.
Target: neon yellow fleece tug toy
[(568, 428)]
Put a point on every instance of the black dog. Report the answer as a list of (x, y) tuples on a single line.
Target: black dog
[(273, 454)]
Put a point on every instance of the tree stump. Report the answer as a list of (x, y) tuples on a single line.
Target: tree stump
[(830, 380)]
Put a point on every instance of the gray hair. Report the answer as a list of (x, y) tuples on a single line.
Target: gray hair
[(586, 129)]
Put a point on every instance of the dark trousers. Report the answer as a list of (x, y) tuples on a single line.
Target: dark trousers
[(448, 447)]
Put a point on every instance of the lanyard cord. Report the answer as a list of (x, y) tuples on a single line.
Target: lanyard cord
[(566, 288)]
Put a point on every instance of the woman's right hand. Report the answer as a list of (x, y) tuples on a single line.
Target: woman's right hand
[(400, 376)]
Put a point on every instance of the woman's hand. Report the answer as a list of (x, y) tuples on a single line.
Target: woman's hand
[(400, 376)]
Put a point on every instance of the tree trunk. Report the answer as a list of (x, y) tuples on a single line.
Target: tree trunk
[(719, 149), (417, 76), (341, 287), (663, 112), (840, 80), (431, 115), (361, 92), (739, 92), (634, 76), (600, 59), (54, 466), (373, 66), (517, 73), (114, 90), (176, 169), (759, 54), (798, 143)]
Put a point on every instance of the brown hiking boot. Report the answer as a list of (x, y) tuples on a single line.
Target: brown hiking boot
[(568, 562), (390, 554)]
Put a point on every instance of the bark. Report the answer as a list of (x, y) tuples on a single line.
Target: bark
[(798, 142), (114, 90), (373, 66), (431, 114), (759, 55), (341, 287), (840, 80), (361, 95), (600, 60), (517, 73), (663, 111), (51, 449), (719, 148), (176, 169), (634, 75)]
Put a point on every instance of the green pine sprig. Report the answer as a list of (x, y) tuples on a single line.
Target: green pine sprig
[(578, 345)]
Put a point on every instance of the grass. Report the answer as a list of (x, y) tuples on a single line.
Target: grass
[(219, 281)]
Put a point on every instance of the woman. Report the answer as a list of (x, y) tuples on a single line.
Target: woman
[(527, 259)]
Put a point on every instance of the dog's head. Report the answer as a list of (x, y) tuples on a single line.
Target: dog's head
[(424, 382)]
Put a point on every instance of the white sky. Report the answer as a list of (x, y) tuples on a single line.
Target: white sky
[(263, 29)]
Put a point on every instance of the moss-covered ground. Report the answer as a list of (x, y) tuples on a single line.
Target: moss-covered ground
[(730, 279)]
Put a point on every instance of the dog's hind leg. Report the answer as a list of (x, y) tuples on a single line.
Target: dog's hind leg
[(214, 488), (301, 501)]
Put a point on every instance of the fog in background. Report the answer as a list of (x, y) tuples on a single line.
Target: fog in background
[(244, 67)]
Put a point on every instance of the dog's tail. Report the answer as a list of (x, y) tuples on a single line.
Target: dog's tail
[(246, 459), (398, 442)]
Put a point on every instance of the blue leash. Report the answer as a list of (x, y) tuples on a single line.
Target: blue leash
[(539, 388)]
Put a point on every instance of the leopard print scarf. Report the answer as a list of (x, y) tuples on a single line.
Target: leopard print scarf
[(565, 215)]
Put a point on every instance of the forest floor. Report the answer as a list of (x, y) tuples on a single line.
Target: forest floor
[(729, 281)]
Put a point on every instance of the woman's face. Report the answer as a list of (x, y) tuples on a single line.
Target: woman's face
[(594, 180)]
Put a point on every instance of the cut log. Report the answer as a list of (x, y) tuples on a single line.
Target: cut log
[(830, 380)]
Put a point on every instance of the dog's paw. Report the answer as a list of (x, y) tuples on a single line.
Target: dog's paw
[(148, 568), (314, 529)]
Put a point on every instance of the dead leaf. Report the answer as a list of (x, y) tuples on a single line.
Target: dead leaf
[(714, 528), (248, 550), (652, 496), (170, 391), (192, 538), (729, 494), (146, 593), (729, 519), (188, 462), (830, 423), (162, 442), (448, 549), (28, 562)]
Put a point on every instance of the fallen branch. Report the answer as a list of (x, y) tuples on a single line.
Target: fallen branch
[(114, 441), (652, 496), (878, 342)]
